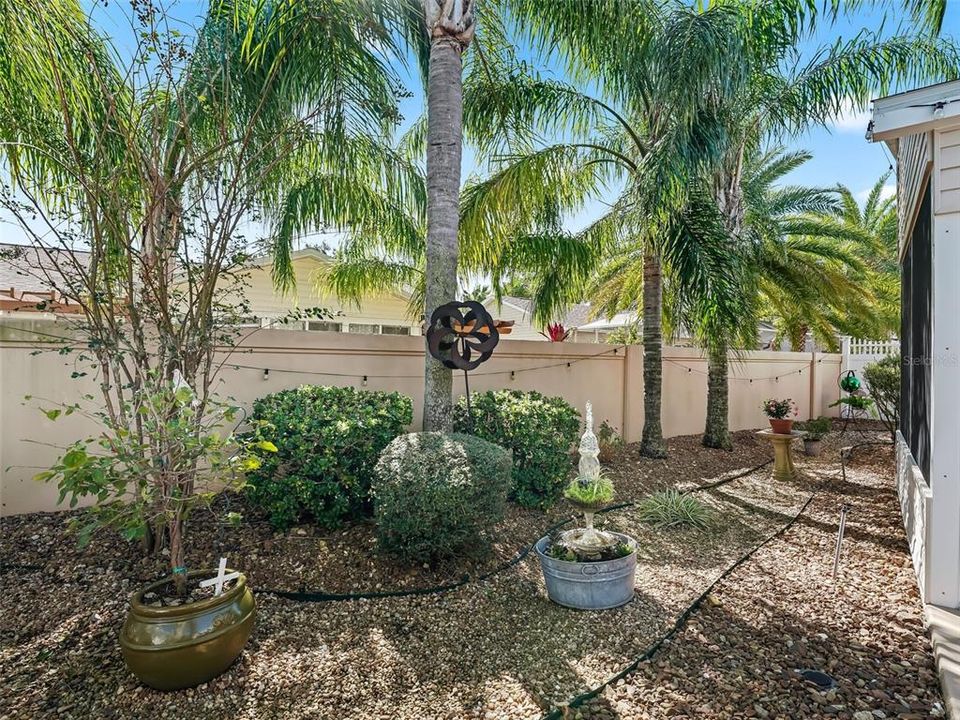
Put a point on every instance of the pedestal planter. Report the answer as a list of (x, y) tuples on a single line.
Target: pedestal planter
[(589, 585), (169, 648)]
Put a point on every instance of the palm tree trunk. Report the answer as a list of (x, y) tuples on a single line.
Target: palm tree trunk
[(728, 193), (716, 433), (451, 29), (651, 444)]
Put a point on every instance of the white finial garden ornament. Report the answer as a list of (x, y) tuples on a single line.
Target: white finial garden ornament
[(589, 450), (587, 539), (222, 577)]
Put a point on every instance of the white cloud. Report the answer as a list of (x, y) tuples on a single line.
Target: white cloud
[(889, 190), (851, 119)]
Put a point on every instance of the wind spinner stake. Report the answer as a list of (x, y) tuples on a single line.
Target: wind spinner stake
[(462, 335)]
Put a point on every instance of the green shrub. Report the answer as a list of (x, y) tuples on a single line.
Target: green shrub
[(539, 430), (883, 381), (816, 429), (435, 493), (672, 508), (328, 440)]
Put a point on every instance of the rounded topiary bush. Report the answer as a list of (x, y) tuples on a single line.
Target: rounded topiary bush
[(539, 430), (328, 440), (435, 493)]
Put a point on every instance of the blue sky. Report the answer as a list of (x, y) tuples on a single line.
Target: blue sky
[(840, 153)]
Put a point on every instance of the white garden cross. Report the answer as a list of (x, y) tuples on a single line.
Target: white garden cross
[(221, 578)]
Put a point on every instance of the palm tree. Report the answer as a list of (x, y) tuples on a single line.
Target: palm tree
[(868, 233), (649, 136), (450, 24), (660, 68), (783, 96)]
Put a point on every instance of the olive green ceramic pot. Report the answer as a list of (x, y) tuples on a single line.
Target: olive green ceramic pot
[(170, 648)]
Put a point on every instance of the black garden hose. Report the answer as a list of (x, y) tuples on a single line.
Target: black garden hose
[(653, 648), (304, 595)]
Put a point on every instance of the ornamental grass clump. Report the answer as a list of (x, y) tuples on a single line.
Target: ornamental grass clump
[(590, 492), (674, 509)]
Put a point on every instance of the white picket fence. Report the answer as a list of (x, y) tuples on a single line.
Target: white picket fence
[(857, 353), (870, 350)]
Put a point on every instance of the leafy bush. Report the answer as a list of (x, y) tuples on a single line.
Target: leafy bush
[(435, 493), (672, 508), (816, 429), (883, 380), (539, 430), (328, 440)]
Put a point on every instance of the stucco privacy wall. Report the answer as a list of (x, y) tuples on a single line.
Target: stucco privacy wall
[(610, 377)]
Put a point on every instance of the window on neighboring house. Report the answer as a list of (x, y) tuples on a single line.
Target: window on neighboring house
[(364, 329), (323, 326), (395, 329)]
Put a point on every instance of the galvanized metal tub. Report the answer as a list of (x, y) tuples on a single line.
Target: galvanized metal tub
[(589, 585)]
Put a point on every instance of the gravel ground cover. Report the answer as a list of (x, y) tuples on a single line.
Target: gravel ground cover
[(492, 649), (782, 612)]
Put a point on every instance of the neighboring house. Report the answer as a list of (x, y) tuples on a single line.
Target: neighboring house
[(30, 280), (520, 311), (378, 315), (922, 129), (585, 329), (29, 283)]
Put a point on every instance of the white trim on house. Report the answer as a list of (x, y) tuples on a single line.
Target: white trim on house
[(914, 112), (922, 127)]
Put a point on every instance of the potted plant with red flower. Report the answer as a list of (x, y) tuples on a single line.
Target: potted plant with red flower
[(781, 414)]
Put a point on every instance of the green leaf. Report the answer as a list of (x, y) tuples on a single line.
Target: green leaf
[(52, 414), (267, 446)]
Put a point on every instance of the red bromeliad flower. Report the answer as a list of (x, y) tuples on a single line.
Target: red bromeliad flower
[(556, 332)]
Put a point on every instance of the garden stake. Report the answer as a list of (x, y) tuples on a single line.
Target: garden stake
[(844, 509)]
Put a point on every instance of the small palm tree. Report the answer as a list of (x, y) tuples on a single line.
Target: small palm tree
[(869, 232)]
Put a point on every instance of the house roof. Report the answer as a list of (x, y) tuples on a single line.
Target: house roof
[(576, 316), (621, 319), (914, 111), (31, 279)]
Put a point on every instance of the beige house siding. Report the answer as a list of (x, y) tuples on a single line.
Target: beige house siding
[(523, 328), (268, 303), (947, 167)]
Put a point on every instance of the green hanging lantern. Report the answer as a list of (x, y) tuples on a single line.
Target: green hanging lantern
[(850, 382)]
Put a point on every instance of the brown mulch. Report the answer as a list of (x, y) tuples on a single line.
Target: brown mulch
[(499, 648), (346, 560)]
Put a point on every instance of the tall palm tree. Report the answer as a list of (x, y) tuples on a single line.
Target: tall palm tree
[(659, 69), (784, 96), (646, 136), (450, 24)]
